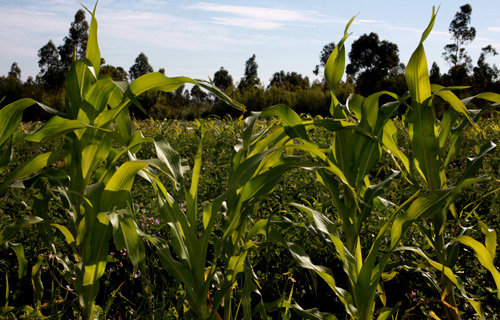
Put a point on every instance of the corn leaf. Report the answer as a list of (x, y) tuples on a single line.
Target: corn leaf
[(125, 236), (117, 189), (93, 53), (31, 166), (416, 73), (11, 116), (21, 259), (291, 121), (484, 256), (334, 67)]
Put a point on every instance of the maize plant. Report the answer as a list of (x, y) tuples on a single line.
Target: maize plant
[(90, 176), (362, 130), (208, 247), (434, 145)]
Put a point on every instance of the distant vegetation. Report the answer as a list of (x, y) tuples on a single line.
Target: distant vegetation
[(374, 64)]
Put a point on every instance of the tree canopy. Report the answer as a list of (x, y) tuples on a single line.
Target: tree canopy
[(140, 67), (250, 77), (51, 67), (461, 33), (222, 79), (289, 80), (372, 61), (77, 39)]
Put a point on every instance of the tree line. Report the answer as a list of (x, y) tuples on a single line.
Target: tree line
[(373, 64)]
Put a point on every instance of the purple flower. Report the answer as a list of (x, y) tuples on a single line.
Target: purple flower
[(112, 254)]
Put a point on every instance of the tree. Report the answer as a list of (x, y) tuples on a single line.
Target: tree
[(222, 79), (51, 68), (435, 74), (484, 74), (76, 40), (140, 67), (116, 73), (250, 78), (15, 71), (290, 81), (323, 56), (461, 33), (372, 62), (198, 95)]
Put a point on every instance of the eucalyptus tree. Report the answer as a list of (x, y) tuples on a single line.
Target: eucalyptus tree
[(75, 44), (140, 67), (462, 34), (250, 77)]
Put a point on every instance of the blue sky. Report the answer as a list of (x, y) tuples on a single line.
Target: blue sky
[(195, 38)]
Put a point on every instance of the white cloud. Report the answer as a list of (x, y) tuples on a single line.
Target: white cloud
[(494, 29), (160, 30), (255, 17)]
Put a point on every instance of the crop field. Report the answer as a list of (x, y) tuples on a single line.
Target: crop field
[(380, 210)]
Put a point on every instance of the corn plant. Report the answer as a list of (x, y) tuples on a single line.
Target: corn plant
[(345, 169), (222, 227), (362, 130), (435, 145), (90, 176)]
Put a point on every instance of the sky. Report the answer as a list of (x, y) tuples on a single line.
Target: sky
[(195, 38)]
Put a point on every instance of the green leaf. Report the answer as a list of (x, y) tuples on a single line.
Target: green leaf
[(389, 141), (425, 206), (425, 143), (98, 97), (484, 257), (11, 116), (70, 239), (95, 250), (78, 80), (453, 100), (170, 157), (450, 275), (31, 166), (125, 236), (334, 67), (21, 259), (55, 127), (117, 190), (313, 313), (36, 280), (416, 73), (93, 53), (473, 165), (219, 94), (491, 238), (305, 262), (291, 121)]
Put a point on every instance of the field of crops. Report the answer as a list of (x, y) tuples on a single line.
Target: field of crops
[(380, 210)]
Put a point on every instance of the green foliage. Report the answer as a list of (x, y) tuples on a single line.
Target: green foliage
[(140, 67), (271, 215)]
